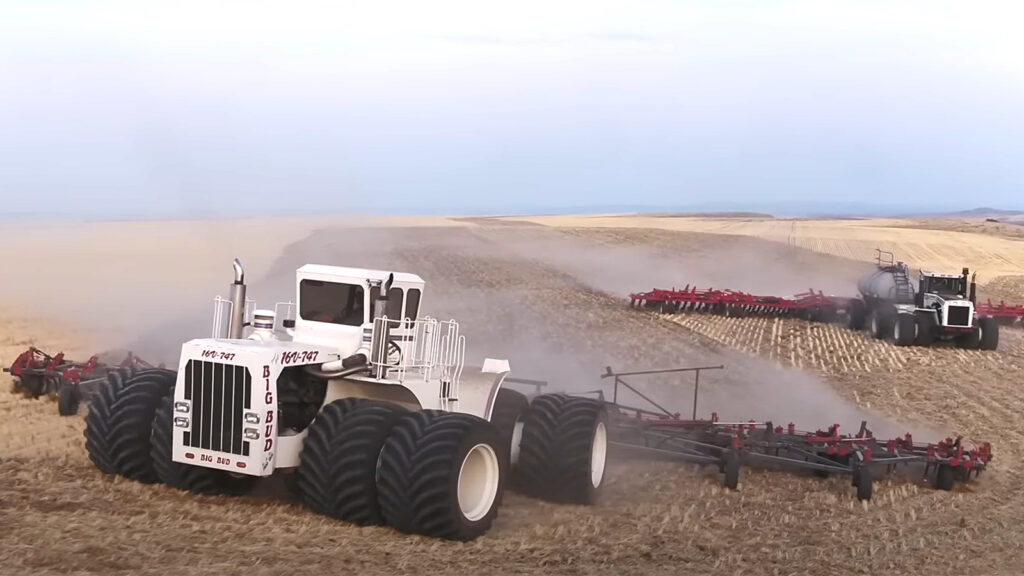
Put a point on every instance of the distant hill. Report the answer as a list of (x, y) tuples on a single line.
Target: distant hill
[(983, 212), (758, 215)]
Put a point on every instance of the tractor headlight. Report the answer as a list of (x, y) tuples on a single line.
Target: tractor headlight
[(181, 407), (252, 433), (252, 418), (181, 422)]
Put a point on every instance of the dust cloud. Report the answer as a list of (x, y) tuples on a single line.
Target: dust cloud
[(552, 303)]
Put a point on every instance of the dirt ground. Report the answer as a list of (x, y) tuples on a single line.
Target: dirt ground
[(552, 300)]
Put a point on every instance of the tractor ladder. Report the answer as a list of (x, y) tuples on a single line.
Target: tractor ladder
[(904, 293)]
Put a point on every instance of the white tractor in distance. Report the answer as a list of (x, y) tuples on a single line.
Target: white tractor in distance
[(363, 402)]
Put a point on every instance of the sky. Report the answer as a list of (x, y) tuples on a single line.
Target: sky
[(213, 108)]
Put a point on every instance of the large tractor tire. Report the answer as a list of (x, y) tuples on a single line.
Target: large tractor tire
[(195, 479), (119, 423), (925, 329), (337, 474), (441, 475), (904, 329), (131, 420), (564, 449), (507, 416), (989, 339)]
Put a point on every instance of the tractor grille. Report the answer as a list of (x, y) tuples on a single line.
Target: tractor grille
[(959, 316), (219, 394)]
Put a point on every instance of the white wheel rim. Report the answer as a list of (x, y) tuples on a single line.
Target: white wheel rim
[(874, 324), (478, 482), (897, 330), (517, 441), (598, 454)]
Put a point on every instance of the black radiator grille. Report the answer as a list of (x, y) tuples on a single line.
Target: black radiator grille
[(959, 316), (219, 394)]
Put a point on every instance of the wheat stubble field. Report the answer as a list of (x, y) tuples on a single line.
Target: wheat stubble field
[(550, 297)]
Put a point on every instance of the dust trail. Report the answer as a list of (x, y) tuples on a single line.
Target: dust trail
[(552, 305)]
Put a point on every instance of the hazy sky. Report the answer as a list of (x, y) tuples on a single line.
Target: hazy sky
[(189, 108)]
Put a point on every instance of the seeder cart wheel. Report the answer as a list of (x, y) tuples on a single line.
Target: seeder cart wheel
[(731, 468), (68, 399)]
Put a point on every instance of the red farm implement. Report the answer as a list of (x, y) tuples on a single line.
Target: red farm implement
[(810, 305), (654, 431), (35, 373), (1006, 314)]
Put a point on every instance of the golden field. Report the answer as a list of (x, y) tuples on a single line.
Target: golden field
[(549, 293)]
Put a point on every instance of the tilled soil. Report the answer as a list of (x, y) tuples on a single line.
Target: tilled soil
[(548, 311)]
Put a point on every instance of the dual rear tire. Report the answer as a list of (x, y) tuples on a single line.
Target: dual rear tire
[(564, 449)]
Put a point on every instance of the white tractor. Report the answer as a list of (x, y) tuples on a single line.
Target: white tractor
[(364, 404)]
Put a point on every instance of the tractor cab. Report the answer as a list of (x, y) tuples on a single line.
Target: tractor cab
[(945, 285), (948, 286), (336, 304)]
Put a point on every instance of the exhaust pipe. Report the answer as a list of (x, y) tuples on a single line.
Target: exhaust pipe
[(381, 336), (237, 302)]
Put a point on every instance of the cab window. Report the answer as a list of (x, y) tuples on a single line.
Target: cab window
[(331, 302), (393, 309)]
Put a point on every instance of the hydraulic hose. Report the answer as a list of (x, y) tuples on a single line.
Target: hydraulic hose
[(318, 373)]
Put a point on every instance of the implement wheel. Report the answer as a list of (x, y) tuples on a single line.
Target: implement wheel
[(864, 482), (945, 476), (904, 329), (856, 315), (68, 399), (731, 468)]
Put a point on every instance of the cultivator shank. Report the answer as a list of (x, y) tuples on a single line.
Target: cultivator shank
[(35, 373)]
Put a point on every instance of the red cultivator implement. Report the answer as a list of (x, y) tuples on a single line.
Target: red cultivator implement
[(1007, 314), (810, 305), (35, 373), (655, 431)]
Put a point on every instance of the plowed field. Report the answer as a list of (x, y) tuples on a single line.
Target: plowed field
[(559, 314)]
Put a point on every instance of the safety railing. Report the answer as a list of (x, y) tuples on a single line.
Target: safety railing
[(222, 308), (425, 348)]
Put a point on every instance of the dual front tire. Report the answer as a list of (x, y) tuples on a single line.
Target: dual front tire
[(428, 472), (128, 433)]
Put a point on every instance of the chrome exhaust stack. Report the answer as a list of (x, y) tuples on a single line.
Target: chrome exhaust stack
[(237, 302)]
